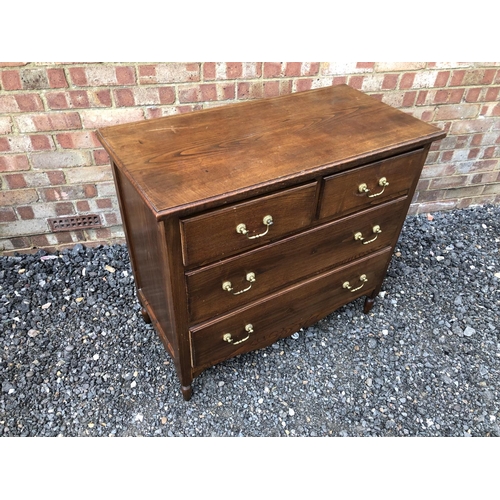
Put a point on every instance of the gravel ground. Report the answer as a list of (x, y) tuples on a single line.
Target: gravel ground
[(76, 358)]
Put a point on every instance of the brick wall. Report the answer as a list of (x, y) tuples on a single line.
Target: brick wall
[(51, 163)]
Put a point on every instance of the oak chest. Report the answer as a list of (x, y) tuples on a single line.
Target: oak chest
[(249, 221)]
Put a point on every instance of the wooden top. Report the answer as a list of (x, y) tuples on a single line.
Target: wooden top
[(200, 158)]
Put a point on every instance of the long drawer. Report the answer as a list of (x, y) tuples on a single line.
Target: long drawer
[(367, 186), (223, 232), (283, 313), (222, 287)]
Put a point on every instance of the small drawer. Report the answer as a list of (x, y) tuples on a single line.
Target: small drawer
[(370, 185), (223, 232), (219, 288), (281, 314)]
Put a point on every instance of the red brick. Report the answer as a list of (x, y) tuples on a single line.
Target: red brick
[(125, 75), (124, 97), (409, 98), (49, 122), (339, 80), (29, 102), (462, 141), (227, 91), (272, 69), (303, 84), (450, 96), (4, 144), (455, 96), (64, 237), (15, 181), (421, 97), (102, 98), (82, 206), (11, 64), (447, 156), (147, 73), (423, 184), (489, 152), (457, 77), (78, 140), (57, 100), (206, 92), (167, 95), (11, 80), (67, 100), (489, 75), (104, 203), (10, 163), (271, 89), (78, 76), (111, 219), (90, 190), (102, 233), (234, 70), (484, 178), (429, 195), (356, 82), (26, 213), (7, 214), (40, 241), (56, 177), (390, 81), (473, 94), (473, 153), (62, 193), (365, 65), (64, 208), (57, 78), (208, 71), (492, 94), (40, 142), (476, 140), (250, 90), (101, 157), (442, 78), (293, 69), (407, 81), (8, 104)]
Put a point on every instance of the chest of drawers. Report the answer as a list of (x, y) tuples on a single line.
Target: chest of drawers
[(249, 221)]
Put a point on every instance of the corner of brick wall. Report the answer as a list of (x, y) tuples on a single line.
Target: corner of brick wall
[(52, 165)]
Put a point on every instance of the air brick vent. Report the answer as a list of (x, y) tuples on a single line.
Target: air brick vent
[(74, 222)]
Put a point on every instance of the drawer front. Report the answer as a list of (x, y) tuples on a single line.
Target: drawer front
[(222, 287), (363, 187), (282, 314), (216, 235)]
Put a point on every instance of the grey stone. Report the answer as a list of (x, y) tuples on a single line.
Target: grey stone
[(468, 332)]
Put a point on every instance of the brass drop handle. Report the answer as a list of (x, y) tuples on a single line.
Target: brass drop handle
[(359, 236), (228, 287), (347, 285), (242, 228), (227, 336), (363, 188)]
